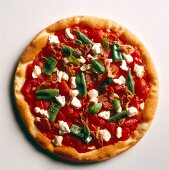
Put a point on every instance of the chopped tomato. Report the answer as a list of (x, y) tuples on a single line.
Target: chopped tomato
[(96, 35), (131, 123), (64, 88), (125, 133)]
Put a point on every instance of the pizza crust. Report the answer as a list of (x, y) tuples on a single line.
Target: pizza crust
[(68, 152)]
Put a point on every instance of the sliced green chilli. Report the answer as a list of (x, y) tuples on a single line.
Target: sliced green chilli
[(116, 53), (105, 43), (106, 82), (77, 131), (49, 66), (81, 84), (53, 111), (118, 116), (68, 50), (73, 59), (98, 66), (130, 82), (46, 94), (116, 104), (83, 38), (95, 108), (78, 42)]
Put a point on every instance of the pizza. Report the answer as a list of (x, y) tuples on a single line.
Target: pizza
[(86, 89)]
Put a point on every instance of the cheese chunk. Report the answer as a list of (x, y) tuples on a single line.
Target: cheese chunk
[(41, 111), (139, 70), (105, 134), (119, 132), (63, 128), (65, 59), (36, 72), (73, 82), (121, 80), (93, 100), (76, 102), (105, 115), (142, 106), (57, 141), (128, 58), (124, 65), (61, 99), (75, 93), (91, 57), (53, 39), (81, 60), (93, 93), (96, 48), (69, 34), (132, 111), (62, 75)]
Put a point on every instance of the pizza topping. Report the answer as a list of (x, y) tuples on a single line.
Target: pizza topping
[(105, 134), (92, 82), (132, 111), (104, 114), (81, 84), (36, 72), (76, 102), (124, 65), (58, 140), (142, 106), (84, 39), (53, 39), (118, 116), (61, 100), (139, 70), (96, 48), (130, 82), (49, 66), (45, 94), (63, 128), (128, 58), (95, 108), (116, 53), (68, 34), (119, 132), (54, 110), (98, 66)]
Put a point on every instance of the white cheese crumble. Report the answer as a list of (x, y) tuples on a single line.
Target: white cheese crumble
[(93, 100), (73, 82), (124, 65), (105, 115), (62, 75), (128, 58), (91, 148), (75, 93), (107, 63), (115, 95), (81, 60), (119, 132), (96, 48), (37, 119), (142, 106), (57, 141), (93, 93), (85, 67), (91, 57), (36, 72), (139, 70), (53, 39), (105, 134), (132, 111), (41, 111), (76, 102), (65, 59), (69, 34), (63, 127), (121, 80), (61, 99)]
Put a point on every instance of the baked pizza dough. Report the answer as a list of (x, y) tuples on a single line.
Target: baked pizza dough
[(68, 152)]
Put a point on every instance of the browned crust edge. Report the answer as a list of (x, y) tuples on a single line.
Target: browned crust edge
[(67, 152)]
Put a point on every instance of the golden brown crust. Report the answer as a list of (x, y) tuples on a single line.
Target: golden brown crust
[(67, 152)]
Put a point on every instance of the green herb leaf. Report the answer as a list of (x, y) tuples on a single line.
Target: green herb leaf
[(116, 53), (84, 39), (69, 51), (73, 59), (95, 108), (46, 94), (98, 66), (118, 116), (130, 82), (81, 84), (49, 66), (53, 110), (105, 43), (106, 82)]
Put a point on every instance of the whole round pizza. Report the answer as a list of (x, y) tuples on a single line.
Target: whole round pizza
[(86, 89)]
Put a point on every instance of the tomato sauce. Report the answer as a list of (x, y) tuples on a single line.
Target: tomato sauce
[(70, 114)]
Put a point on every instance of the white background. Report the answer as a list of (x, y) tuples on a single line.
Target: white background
[(21, 20)]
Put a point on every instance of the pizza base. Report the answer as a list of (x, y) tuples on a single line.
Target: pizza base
[(70, 153)]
